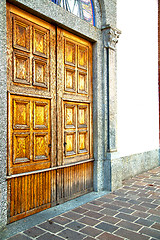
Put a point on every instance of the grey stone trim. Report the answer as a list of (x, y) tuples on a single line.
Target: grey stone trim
[(110, 39), (3, 115), (111, 36), (109, 12), (118, 168), (138, 163), (53, 13)]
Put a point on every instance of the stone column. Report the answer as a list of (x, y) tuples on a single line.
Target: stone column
[(112, 163)]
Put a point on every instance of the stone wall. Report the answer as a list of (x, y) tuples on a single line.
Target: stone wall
[(3, 115)]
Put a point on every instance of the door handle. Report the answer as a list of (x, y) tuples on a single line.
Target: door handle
[(49, 145), (64, 147)]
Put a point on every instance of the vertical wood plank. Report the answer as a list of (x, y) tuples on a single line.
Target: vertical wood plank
[(19, 197), (15, 197), (12, 196)]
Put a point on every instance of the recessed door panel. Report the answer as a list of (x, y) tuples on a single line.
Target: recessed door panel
[(30, 134)]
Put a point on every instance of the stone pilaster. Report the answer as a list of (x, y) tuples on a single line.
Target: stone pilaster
[(110, 39), (112, 163), (3, 115)]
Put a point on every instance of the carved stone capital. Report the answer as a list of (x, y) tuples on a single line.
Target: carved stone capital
[(110, 37)]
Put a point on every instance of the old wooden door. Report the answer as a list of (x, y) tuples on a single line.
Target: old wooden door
[(49, 114), (74, 104)]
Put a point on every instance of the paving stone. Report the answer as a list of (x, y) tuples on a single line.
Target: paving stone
[(154, 212), (144, 222), (111, 206), (129, 225), (96, 202), (126, 217), (109, 236), (122, 199), (154, 195), (89, 238), (150, 188), (80, 210), (72, 215), (48, 236), (19, 237), (139, 208), (94, 214), (75, 225), (88, 221), (104, 199), (121, 191), (150, 232), (122, 204), (109, 212), (139, 183), (51, 227), (61, 220), (134, 197), (156, 226), (154, 218), (111, 195), (129, 188), (149, 205), (34, 232), (93, 232), (143, 194), (132, 192), (126, 210), (130, 234), (134, 201), (141, 214), (138, 186), (71, 235), (110, 219), (106, 227), (92, 207), (143, 199)]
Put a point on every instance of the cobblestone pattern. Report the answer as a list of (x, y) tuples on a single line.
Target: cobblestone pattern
[(131, 212)]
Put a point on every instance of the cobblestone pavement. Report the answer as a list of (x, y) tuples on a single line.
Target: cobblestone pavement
[(131, 212)]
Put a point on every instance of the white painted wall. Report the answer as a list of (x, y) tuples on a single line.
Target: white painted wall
[(137, 76)]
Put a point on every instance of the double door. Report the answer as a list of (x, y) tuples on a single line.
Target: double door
[(50, 157)]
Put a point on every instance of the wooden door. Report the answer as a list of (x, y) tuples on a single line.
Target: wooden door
[(74, 104), (74, 61), (49, 115)]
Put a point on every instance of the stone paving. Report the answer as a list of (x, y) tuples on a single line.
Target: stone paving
[(131, 212)]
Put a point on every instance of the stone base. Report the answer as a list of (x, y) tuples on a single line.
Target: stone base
[(117, 169)]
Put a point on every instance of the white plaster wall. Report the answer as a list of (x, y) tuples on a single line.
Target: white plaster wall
[(137, 76)]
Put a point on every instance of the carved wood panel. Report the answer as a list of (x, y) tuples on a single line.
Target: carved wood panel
[(76, 131), (29, 134), (29, 52), (74, 102)]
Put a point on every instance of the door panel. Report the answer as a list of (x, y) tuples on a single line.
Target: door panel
[(49, 115), (76, 131), (74, 103), (29, 133)]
